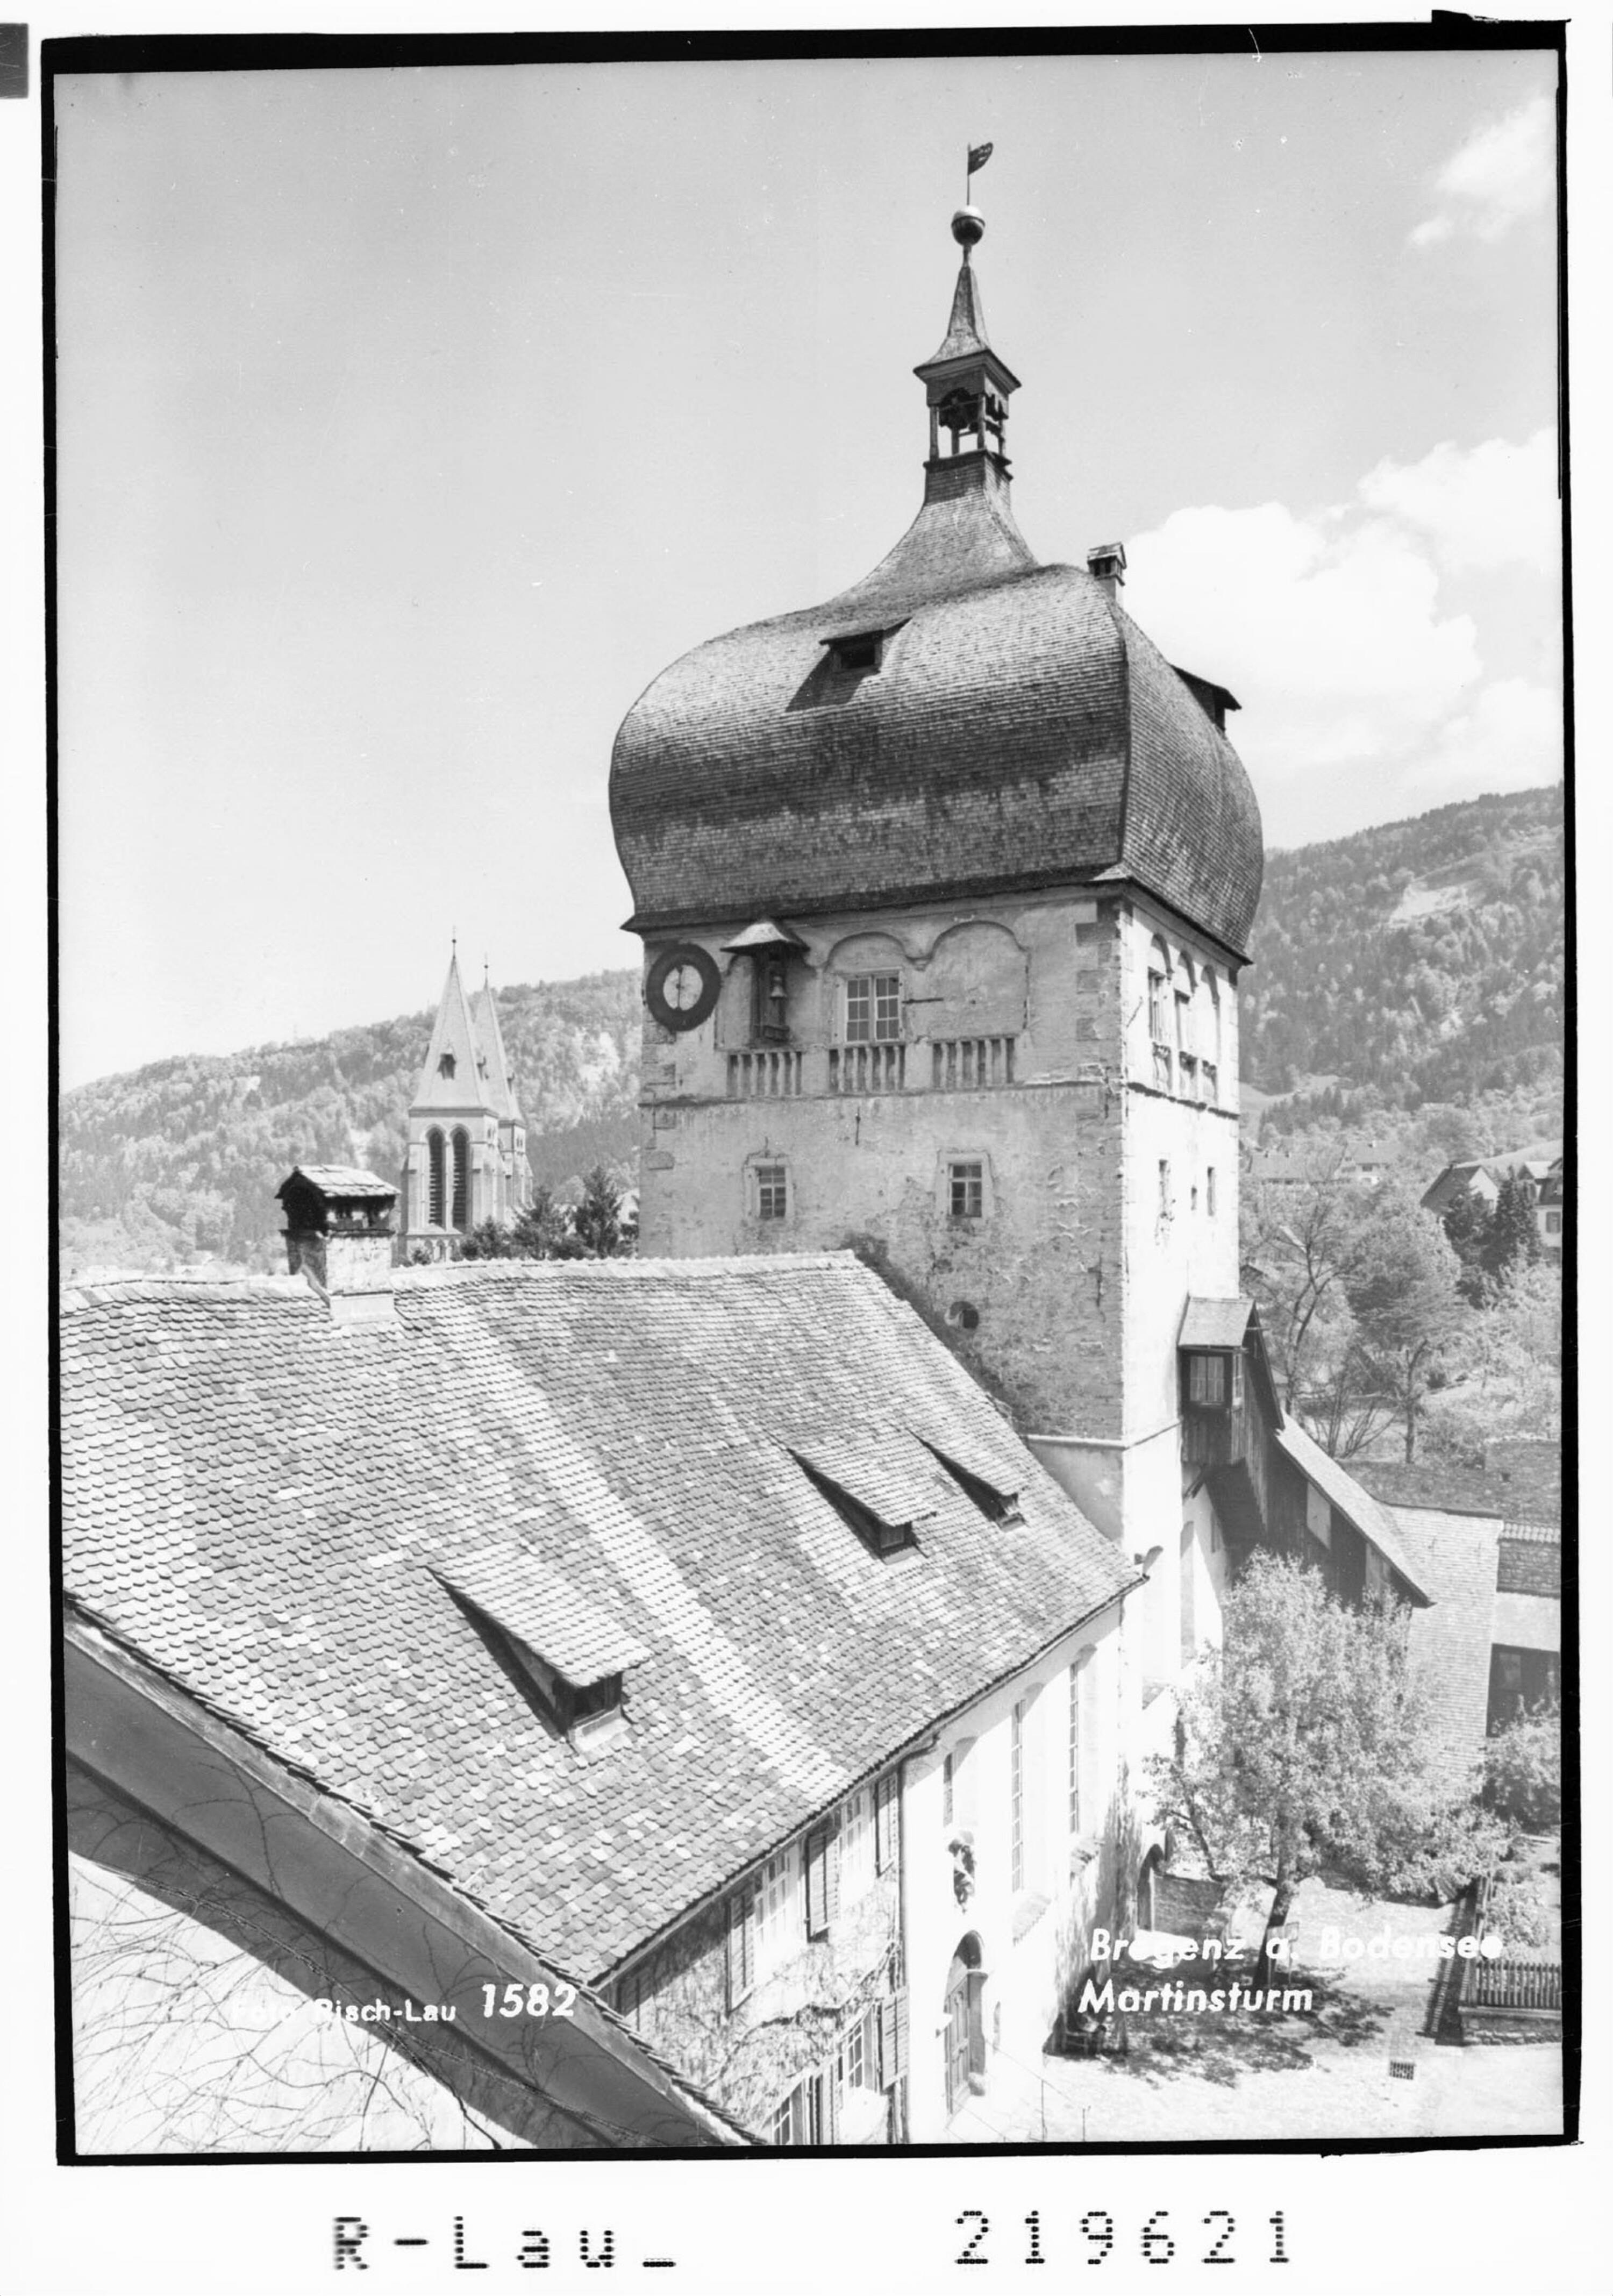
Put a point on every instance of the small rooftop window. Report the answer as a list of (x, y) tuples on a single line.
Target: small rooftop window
[(880, 1531), (556, 1643), (445, 1066), (996, 1502)]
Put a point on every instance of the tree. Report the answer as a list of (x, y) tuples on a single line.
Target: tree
[(1513, 1239), (1402, 1291), (1511, 1367), (1303, 1748), (1468, 1223), (597, 1222), (1299, 1246), (1523, 1769)]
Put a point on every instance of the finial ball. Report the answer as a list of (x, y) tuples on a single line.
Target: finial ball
[(969, 227)]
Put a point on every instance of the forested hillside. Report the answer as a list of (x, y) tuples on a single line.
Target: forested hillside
[(1419, 961), (179, 1162), (1413, 968)]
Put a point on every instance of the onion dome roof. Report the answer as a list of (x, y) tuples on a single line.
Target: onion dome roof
[(964, 720)]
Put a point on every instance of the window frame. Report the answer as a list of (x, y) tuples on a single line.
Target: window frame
[(966, 1177), (881, 1022), (771, 1187)]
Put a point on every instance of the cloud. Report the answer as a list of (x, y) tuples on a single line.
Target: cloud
[(1327, 629), (1502, 173), (1333, 629), (1509, 738), (1483, 508)]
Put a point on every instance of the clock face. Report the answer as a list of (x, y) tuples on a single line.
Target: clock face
[(683, 986)]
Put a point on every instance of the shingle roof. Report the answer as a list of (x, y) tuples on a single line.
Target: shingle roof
[(491, 1060), (258, 1499), (1374, 1522), (1215, 1323), (341, 1180), (1021, 731), (453, 1035)]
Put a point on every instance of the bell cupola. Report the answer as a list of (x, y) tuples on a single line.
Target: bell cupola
[(967, 385)]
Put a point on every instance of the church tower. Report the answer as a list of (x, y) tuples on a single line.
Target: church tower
[(944, 887), (467, 1135)]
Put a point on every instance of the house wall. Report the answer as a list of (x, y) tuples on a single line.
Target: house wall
[(800, 2011), (1031, 1941)]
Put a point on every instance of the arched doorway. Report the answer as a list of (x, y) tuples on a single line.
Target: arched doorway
[(1147, 1876), (965, 2029)]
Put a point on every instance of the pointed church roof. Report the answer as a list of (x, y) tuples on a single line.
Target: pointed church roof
[(496, 1086), (451, 1076), (966, 330)]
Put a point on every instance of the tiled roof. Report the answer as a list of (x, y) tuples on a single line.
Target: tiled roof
[(258, 1500), (1375, 1523), (490, 1053), (1215, 1323), (966, 328)]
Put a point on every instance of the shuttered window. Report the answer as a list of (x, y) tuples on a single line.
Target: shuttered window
[(822, 1880), (888, 1822), (742, 1945), (893, 2037)]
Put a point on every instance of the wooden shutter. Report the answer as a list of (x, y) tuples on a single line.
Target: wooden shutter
[(742, 1945), (893, 2037), (817, 1884), (831, 1876), (888, 1822)]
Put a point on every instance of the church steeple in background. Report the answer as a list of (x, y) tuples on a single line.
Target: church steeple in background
[(466, 1158)]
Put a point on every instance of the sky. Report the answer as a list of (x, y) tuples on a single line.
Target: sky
[(410, 422)]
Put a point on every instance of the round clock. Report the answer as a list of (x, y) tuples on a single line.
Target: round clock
[(682, 986)]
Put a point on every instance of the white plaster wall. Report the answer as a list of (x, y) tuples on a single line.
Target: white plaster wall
[(1022, 1986)]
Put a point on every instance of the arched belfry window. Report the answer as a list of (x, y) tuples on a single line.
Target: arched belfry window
[(436, 1188), (462, 1179)]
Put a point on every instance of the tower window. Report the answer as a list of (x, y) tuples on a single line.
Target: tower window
[(1209, 1191), (859, 653), (873, 1008), (1165, 1187), (445, 1066), (771, 1192), (462, 1180), (436, 1183), (966, 1191)]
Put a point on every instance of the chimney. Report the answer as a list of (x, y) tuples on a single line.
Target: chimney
[(339, 1237), (1107, 564)]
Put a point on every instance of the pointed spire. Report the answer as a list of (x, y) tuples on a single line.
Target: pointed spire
[(450, 1077), (498, 1091), (966, 333)]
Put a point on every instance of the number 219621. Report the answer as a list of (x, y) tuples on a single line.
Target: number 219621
[(528, 2000), (1157, 2243)]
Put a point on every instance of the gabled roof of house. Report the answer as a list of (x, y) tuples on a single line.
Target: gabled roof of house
[(1375, 1523), (261, 1502), (345, 1180)]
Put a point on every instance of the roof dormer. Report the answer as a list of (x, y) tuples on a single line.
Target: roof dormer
[(564, 1650)]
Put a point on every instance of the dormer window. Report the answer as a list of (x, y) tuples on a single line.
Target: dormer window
[(996, 1502), (860, 653), (446, 1065), (571, 1658), (856, 654), (885, 1525)]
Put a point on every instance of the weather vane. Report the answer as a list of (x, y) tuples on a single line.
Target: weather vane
[(969, 225)]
